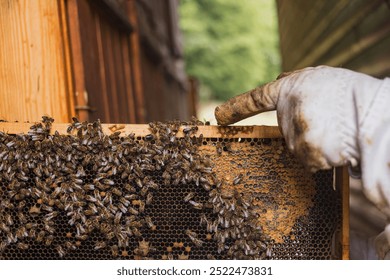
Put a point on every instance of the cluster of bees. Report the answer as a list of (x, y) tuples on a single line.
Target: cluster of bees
[(49, 175)]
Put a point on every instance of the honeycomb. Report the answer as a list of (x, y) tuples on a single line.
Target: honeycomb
[(88, 195)]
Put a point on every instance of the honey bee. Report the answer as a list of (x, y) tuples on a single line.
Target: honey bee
[(196, 205), (108, 182), (11, 238), (88, 187), (244, 202), (6, 204), (90, 198), (4, 227), (206, 186), (143, 248), (91, 209), (122, 208), (219, 148), (97, 194), (49, 240), (114, 250), (49, 228), (117, 191), (21, 205), (8, 219), (80, 229), (117, 218), (141, 206), (3, 245), (136, 231), (107, 198), (193, 237), (124, 201), (70, 246), (237, 179), (268, 252), (149, 222), (50, 216), (82, 237), (40, 236), (245, 213), (100, 245), (149, 198), (189, 196), (221, 247), (21, 232), (22, 246), (203, 219), (61, 252)]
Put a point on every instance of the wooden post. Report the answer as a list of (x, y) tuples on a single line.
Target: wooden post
[(137, 71), (342, 185), (34, 70), (80, 94)]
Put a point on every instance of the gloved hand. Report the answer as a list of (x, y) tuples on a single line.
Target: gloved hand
[(382, 244), (328, 117)]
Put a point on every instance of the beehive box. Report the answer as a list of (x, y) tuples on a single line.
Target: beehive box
[(189, 191)]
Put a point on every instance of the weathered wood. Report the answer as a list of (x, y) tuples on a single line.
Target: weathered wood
[(360, 46), (115, 14), (136, 63), (80, 94), (320, 49), (33, 61), (342, 33), (129, 79), (102, 70), (68, 93)]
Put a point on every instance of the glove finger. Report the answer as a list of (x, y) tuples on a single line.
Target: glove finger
[(258, 100)]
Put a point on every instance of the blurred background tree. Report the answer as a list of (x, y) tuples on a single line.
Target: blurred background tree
[(230, 46)]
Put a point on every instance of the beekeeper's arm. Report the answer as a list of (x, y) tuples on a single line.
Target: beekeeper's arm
[(329, 117)]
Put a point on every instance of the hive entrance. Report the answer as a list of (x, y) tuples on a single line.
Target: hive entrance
[(93, 196)]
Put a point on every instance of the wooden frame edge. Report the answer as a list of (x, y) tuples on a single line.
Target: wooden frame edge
[(342, 186), (212, 131), (208, 131)]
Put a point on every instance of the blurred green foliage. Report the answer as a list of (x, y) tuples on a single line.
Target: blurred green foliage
[(230, 46)]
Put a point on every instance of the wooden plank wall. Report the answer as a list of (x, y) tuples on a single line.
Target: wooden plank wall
[(34, 61), (345, 33), (164, 80), (119, 61), (102, 47)]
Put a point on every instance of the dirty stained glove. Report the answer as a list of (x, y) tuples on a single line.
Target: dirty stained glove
[(328, 117), (382, 244)]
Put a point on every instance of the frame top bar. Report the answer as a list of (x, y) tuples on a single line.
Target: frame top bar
[(208, 131)]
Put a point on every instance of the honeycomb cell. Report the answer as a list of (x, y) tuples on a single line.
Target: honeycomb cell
[(84, 196)]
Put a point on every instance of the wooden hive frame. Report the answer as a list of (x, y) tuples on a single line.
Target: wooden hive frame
[(341, 178)]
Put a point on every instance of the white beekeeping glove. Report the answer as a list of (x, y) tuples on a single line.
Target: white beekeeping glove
[(329, 117)]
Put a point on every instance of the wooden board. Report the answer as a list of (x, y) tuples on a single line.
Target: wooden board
[(342, 33), (209, 131), (34, 59)]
